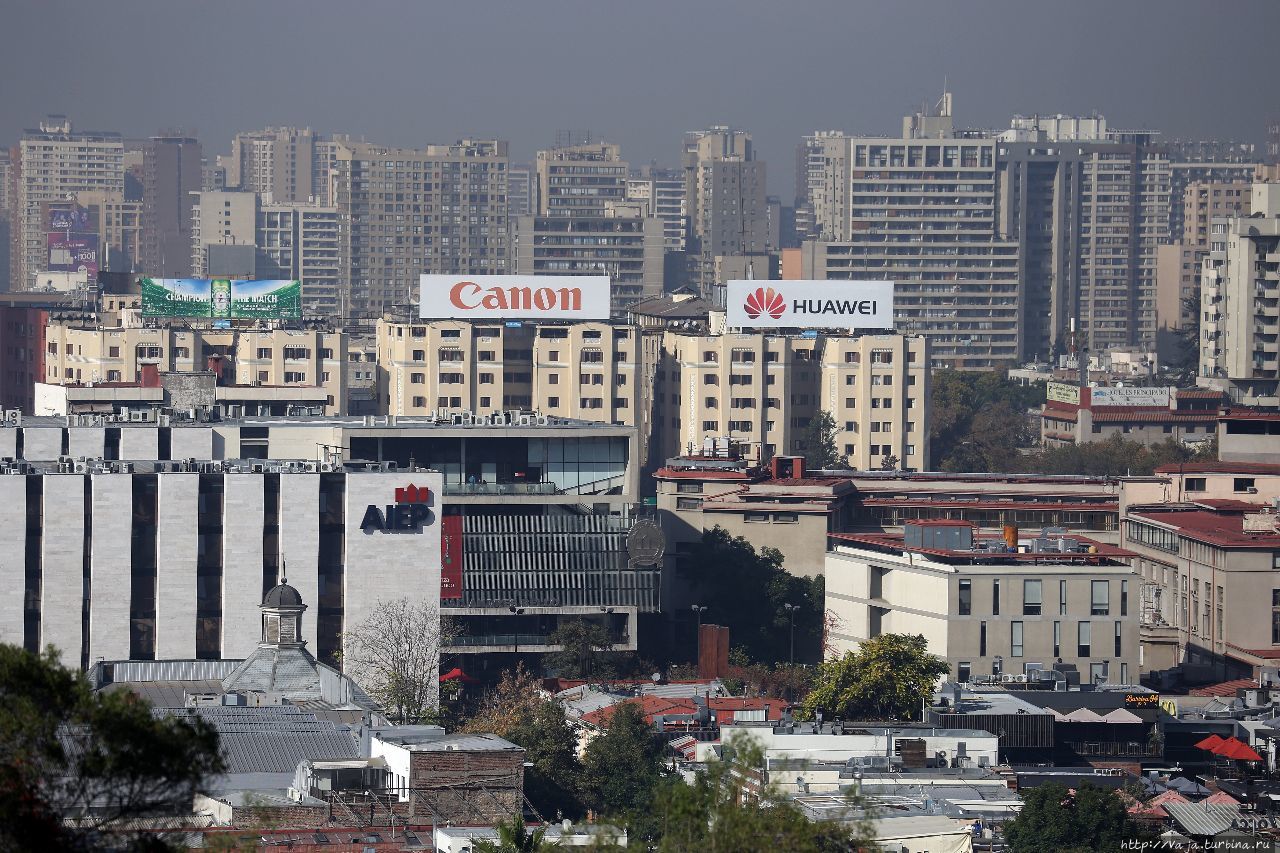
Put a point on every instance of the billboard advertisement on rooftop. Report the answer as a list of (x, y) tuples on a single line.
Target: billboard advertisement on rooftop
[(809, 304), (514, 297), (222, 298)]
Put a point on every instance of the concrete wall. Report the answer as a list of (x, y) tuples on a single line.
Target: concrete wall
[(176, 548), (13, 517), (62, 563), (109, 569), (242, 564)]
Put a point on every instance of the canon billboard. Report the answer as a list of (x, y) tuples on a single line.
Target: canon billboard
[(514, 297), (810, 304)]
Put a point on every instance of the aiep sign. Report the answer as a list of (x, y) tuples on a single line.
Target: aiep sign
[(810, 304), (507, 297)]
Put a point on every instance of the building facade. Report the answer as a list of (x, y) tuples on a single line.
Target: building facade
[(404, 212), (284, 165), (54, 162), (172, 178), (725, 196), (1240, 303), (986, 609)]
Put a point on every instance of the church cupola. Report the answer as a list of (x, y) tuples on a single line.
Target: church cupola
[(282, 609)]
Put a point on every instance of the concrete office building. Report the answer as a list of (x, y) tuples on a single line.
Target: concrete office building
[(1240, 303), (1089, 205), (90, 355), (521, 183), (624, 244), (171, 179), (545, 510), (1178, 264), (206, 545), (762, 391), (53, 162), (286, 241), (987, 610), (1210, 603), (726, 201), (921, 211), (1075, 415), (405, 212), (283, 164)]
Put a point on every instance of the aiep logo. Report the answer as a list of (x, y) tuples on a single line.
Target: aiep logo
[(409, 513), (764, 300)]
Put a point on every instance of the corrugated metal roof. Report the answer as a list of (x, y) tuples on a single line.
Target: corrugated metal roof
[(272, 739), (1203, 818)]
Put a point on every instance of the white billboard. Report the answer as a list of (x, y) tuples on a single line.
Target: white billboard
[(810, 304), (1129, 397), (514, 297)]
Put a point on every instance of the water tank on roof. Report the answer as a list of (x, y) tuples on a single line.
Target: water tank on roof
[(940, 537)]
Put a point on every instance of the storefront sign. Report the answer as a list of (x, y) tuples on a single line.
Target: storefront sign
[(1142, 700), (1129, 397), (1059, 392)]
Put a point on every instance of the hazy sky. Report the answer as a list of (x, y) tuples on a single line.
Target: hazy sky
[(638, 73)]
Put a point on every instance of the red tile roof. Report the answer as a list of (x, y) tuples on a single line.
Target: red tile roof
[(700, 474), (1224, 529), (1224, 688), (1264, 654)]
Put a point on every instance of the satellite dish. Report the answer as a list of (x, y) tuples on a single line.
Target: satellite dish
[(645, 543)]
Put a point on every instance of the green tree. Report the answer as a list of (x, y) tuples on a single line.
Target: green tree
[(887, 678), (513, 700), (820, 443), (729, 575), (514, 837), (580, 640), (1053, 818), (720, 811), (552, 779), (103, 758), (1113, 457), (623, 766), (978, 419)]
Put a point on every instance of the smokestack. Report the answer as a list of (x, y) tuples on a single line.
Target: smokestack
[(1011, 536)]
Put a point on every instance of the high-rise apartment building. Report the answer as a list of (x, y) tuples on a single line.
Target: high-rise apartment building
[(1240, 303), (288, 241), (764, 390), (580, 180), (661, 192), (172, 175), (1178, 264), (118, 225), (283, 164), (1089, 205), (921, 211), (811, 170), (405, 212), (521, 180), (726, 202), (55, 161), (623, 243)]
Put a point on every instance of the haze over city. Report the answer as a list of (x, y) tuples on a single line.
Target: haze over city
[(408, 73)]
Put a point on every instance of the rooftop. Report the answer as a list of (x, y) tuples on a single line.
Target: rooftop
[(418, 742), (1224, 529), (1221, 468), (988, 550)]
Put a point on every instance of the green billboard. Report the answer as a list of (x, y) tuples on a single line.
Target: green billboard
[(222, 298)]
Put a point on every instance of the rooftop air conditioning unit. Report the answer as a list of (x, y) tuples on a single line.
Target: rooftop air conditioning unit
[(257, 467), (80, 467)]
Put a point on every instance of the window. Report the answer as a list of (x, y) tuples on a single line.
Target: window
[(417, 378), (1062, 598), (264, 352), (113, 376), (1195, 484), (1083, 632), (785, 517), (553, 379), (982, 639), (296, 353), (1099, 598), (1117, 654), (1015, 639), (688, 503), (1057, 639), (553, 402), (486, 378), (294, 376), (963, 670), (485, 355), (419, 355), (553, 355), (1275, 617), (419, 402), (710, 379), (755, 517), (112, 352), (1031, 597), (451, 378), (1243, 484), (995, 597), (1124, 598)]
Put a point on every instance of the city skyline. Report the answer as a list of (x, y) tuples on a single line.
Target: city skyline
[(765, 69)]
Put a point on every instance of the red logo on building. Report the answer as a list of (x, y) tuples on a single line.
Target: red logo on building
[(764, 300), (412, 494)]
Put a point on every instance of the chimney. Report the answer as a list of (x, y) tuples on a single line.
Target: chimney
[(149, 374), (797, 467), (1011, 537), (216, 367), (775, 465)]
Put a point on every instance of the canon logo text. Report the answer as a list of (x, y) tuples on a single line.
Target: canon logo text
[(469, 296)]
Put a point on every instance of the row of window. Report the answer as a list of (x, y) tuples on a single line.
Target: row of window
[(1084, 639), (1033, 597)]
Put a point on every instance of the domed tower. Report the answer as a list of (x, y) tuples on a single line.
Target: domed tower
[(281, 663), (282, 610)]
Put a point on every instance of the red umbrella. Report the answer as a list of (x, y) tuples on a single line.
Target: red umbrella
[(1211, 743), (456, 674), (1238, 750)]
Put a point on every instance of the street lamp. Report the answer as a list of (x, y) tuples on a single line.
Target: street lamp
[(791, 612), (516, 611)]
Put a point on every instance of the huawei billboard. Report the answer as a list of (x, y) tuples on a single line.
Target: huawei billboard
[(514, 297), (809, 304)]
